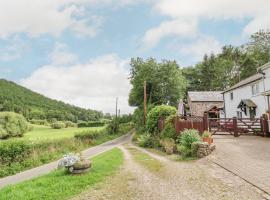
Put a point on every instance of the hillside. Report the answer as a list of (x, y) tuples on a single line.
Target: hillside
[(32, 105)]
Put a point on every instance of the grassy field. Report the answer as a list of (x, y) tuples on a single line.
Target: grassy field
[(59, 185), (47, 133)]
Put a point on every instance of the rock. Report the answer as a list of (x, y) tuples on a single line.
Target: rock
[(81, 165)]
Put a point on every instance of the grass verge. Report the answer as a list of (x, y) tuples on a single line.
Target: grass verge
[(145, 160), (59, 185)]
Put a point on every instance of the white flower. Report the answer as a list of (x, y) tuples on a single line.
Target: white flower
[(69, 160)]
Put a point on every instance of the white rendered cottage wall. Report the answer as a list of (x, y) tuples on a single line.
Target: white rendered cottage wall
[(241, 93)]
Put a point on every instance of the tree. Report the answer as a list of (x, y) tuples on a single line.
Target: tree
[(165, 82), (259, 47)]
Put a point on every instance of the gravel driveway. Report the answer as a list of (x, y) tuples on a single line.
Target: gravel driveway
[(178, 180)]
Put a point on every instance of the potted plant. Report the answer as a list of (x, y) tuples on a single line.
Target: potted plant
[(207, 137), (74, 163)]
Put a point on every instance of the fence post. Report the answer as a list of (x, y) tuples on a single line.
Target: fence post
[(266, 126), (205, 122), (235, 129)]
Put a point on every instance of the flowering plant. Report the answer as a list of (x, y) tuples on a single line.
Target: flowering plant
[(69, 160)]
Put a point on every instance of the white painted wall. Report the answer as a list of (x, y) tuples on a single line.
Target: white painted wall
[(245, 92)]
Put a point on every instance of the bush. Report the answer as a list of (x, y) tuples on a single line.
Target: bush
[(168, 145), (206, 134), (146, 140), (113, 126), (14, 151), (168, 131), (188, 137), (91, 124), (157, 112), (12, 125), (70, 124), (39, 122), (89, 134), (58, 125)]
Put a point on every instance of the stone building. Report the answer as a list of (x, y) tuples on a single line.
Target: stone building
[(205, 101)]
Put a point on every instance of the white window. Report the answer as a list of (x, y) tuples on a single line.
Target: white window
[(255, 89), (231, 95), (239, 114)]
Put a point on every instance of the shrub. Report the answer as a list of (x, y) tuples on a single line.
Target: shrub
[(146, 140), (14, 151), (70, 124), (58, 125), (12, 125), (91, 124), (168, 145), (113, 126), (187, 137), (168, 131), (89, 134), (157, 112), (39, 122), (206, 134)]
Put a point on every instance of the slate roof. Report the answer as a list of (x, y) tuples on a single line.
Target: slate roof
[(247, 102), (246, 81), (206, 96)]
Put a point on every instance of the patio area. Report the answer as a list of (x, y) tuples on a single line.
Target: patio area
[(246, 156)]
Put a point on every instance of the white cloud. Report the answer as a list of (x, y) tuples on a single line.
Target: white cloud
[(257, 12), (203, 45), (36, 17), (186, 28), (61, 56), (94, 84)]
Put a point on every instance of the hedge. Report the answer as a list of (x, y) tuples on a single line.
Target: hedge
[(91, 124)]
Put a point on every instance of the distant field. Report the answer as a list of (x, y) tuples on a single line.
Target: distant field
[(47, 133)]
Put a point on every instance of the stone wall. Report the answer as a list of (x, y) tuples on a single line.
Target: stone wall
[(198, 108), (204, 149)]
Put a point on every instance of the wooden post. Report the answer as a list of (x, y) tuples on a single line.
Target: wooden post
[(265, 125), (145, 102), (262, 126), (235, 129), (205, 122)]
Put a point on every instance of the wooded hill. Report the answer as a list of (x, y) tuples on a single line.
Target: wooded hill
[(32, 105)]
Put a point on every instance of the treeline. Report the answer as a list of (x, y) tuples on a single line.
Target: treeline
[(233, 64), (167, 82), (32, 105)]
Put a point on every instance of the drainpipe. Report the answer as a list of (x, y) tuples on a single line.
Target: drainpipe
[(224, 105), (265, 98)]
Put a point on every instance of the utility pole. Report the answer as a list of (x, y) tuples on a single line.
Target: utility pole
[(145, 102), (116, 109)]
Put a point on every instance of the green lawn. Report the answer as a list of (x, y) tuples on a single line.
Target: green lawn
[(47, 133), (59, 185)]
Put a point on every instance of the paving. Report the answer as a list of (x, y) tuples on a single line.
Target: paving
[(44, 169), (246, 156)]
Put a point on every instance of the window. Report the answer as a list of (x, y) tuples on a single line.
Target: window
[(255, 89), (239, 114), (231, 95)]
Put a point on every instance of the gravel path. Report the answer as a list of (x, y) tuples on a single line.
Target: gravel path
[(200, 180), (44, 169)]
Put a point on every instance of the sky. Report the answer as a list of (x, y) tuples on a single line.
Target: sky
[(78, 51)]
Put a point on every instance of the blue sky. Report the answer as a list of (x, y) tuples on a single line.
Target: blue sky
[(62, 48)]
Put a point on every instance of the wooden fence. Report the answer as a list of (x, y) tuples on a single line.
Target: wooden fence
[(234, 126)]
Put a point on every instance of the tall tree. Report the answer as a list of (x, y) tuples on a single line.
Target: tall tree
[(165, 82)]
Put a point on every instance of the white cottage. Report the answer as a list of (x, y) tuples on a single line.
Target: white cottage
[(250, 97)]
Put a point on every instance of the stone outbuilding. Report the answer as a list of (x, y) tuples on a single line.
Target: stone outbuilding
[(200, 102)]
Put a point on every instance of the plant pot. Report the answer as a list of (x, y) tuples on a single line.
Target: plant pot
[(81, 167), (208, 140)]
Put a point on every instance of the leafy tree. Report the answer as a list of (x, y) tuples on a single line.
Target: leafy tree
[(165, 82)]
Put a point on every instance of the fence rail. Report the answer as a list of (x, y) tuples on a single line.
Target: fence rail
[(234, 126)]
